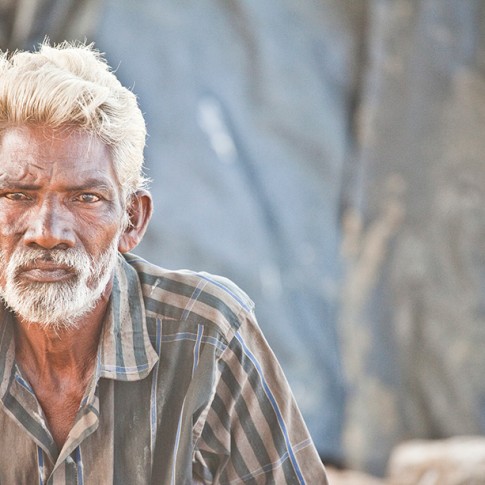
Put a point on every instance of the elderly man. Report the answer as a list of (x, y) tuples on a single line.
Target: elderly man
[(113, 370)]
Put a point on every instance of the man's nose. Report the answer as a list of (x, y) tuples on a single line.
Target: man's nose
[(49, 227)]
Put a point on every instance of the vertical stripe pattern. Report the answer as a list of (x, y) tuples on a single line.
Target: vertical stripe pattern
[(186, 390)]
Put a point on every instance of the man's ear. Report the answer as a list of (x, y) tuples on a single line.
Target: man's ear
[(140, 210)]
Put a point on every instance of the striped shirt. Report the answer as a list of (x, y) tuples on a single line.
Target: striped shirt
[(185, 391)]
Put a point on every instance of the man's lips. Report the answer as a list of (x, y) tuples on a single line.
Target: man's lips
[(46, 271)]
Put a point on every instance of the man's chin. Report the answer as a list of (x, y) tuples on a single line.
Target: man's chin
[(58, 302), (47, 316), (56, 305)]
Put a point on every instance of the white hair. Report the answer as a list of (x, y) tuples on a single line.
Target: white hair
[(71, 84)]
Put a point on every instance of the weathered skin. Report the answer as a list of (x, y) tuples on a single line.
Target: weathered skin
[(58, 190)]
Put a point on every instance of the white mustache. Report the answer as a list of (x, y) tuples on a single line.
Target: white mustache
[(74, 259), (56, 304)]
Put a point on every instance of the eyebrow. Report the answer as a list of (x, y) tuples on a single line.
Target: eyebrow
[(7, 184), (99, 184), (92, 183), (13, 184)]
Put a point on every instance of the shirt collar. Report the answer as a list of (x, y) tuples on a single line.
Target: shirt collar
[(7, 348), (125, 351)]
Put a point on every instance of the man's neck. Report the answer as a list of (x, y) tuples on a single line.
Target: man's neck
[(44, 350), (67, 349), (59, 364)]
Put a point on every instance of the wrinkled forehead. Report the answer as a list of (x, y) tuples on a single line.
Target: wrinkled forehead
[(41, 139), (38, 151)]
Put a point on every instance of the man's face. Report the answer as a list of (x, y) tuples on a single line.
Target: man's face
[(61, 216)]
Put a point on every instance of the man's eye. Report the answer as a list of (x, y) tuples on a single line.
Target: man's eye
[(88, 198), (16, 196)]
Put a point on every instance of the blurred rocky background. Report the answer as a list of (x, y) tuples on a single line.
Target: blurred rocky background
[(328, 156)]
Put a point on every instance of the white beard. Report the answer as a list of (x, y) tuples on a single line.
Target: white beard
[(57, 304)]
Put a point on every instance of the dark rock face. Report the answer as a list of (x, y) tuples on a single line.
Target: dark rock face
[(419, 312), (247, 106)]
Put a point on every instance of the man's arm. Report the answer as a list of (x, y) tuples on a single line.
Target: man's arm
[(253, 430)]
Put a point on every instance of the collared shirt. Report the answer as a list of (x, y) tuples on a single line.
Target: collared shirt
[(186, 390)]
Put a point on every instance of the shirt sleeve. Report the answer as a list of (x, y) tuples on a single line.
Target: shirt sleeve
[(254, 432)]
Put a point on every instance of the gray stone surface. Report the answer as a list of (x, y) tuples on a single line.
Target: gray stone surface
[(247, 106), (413, 315), (25, 23)]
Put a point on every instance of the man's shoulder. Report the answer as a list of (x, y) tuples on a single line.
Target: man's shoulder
[(188, 295)]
